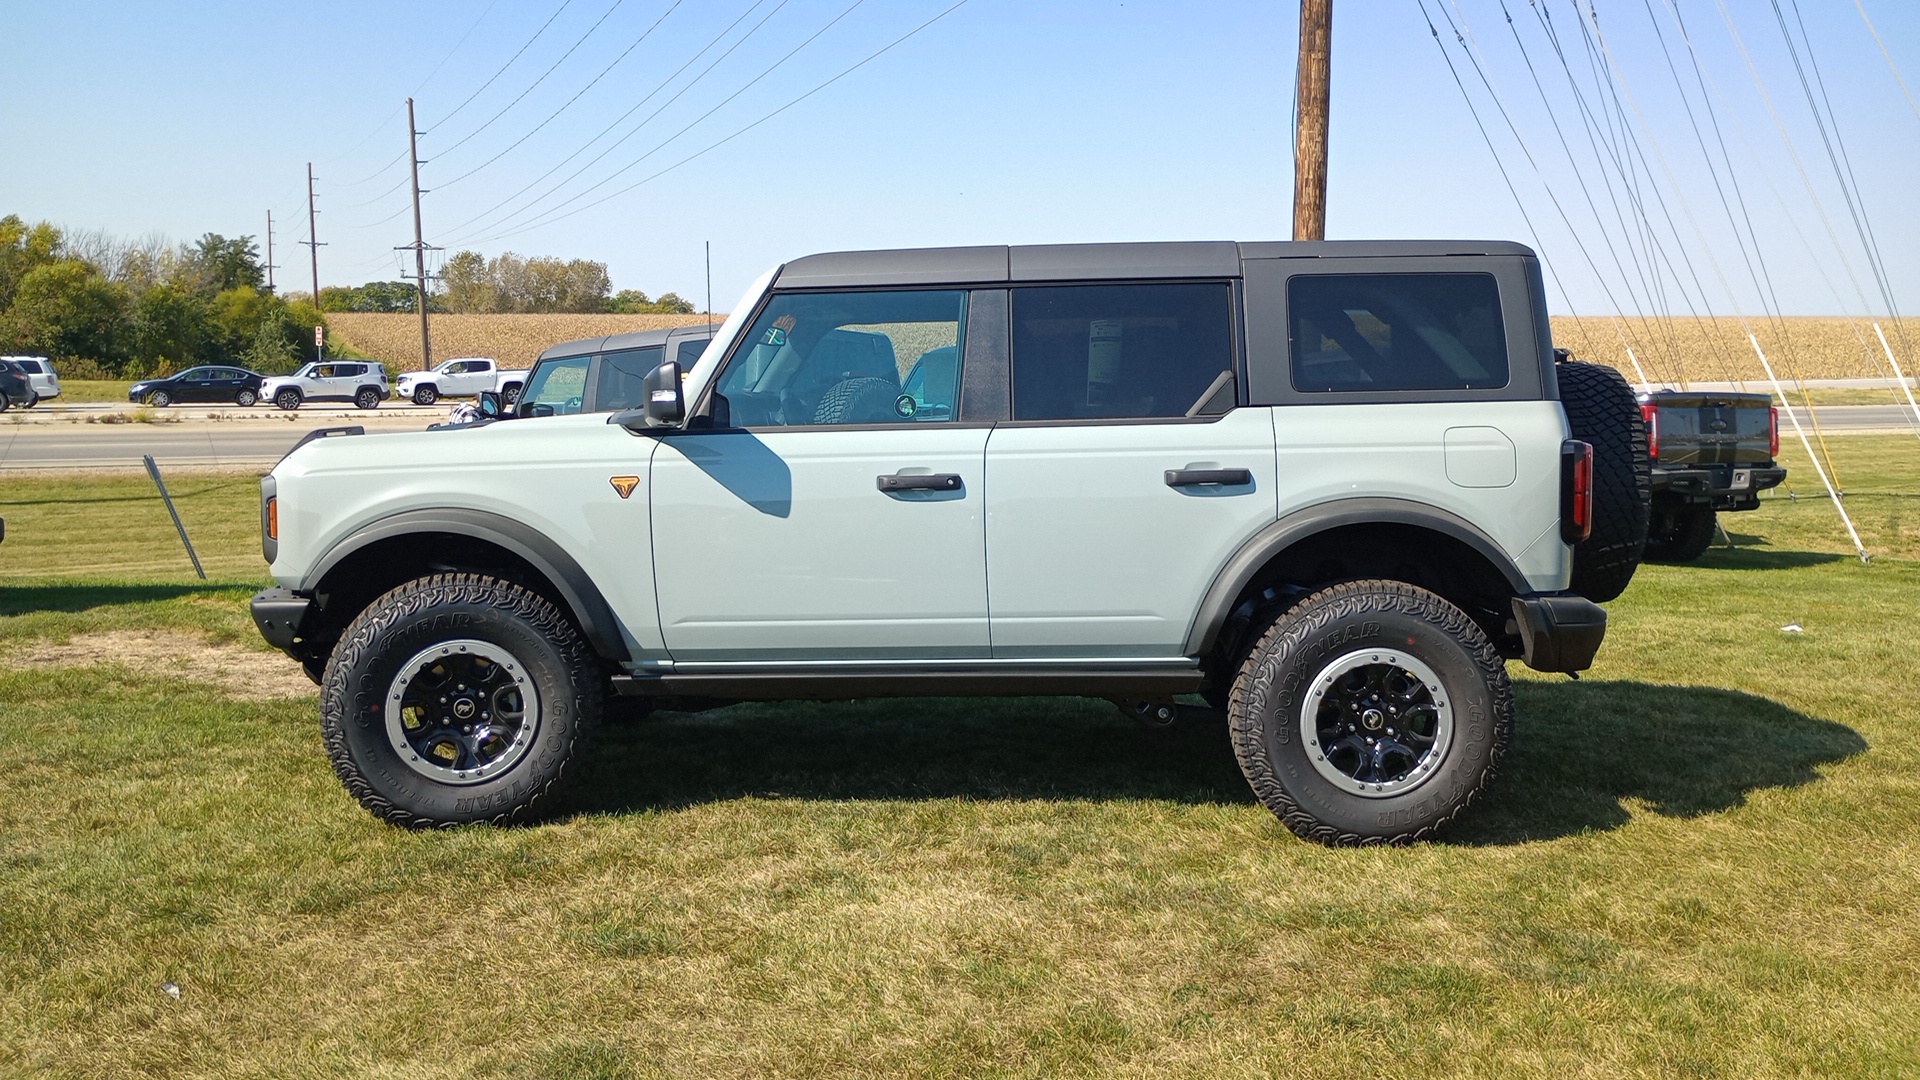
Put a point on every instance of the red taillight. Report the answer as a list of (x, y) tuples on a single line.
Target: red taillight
[(1773, 431), (1650, 416), (1576, 491)]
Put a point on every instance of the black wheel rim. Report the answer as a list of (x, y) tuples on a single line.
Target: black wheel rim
[(462, 712), (1377, 723)]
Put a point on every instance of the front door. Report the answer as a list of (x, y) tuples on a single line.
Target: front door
[(825, 515)]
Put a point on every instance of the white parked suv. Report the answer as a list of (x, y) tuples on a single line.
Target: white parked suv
[(1332, 488), (463, 376), (358, 381), (40, 375)]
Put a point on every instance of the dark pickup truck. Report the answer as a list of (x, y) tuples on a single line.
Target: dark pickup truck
[(1711, 452)]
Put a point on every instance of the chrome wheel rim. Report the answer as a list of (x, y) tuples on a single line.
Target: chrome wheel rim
[(462, 712), (1376, 723)]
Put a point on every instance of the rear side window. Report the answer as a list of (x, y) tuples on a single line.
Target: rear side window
[(1350, 332), (1083, 352), (623, 376), (31, 367), (690, 351)]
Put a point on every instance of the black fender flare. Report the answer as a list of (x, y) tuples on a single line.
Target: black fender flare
[(1240, 569), (375, 387), (590, 609)]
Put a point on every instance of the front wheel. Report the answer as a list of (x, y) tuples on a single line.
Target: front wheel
[(1371, 712), (457, 698), (245, 398), (159, 399), (425, 395), (368, 398), (288, 399)]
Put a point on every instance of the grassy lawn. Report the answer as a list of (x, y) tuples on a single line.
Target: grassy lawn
[(90, 390), (1701, 861)]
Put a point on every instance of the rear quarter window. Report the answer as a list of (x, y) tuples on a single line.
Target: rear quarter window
[(1349, 332)]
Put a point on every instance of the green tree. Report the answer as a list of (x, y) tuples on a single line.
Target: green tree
[(174, 328), (23, 247), (229, 264), (66, 310)]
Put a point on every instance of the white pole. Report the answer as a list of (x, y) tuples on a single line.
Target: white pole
[(1811, 456), (1644, 384), (1897, 373)]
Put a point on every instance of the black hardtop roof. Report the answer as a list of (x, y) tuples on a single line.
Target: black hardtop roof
[(632, 339), (1080, 262)]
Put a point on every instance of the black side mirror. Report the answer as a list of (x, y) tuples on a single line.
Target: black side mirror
[(665, 405), (490, 405)]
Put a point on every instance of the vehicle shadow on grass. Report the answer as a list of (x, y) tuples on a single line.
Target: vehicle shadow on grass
[(1754, 553), (22, 599), (1582, 752)]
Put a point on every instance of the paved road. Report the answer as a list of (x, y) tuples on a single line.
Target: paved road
[(92, 446)]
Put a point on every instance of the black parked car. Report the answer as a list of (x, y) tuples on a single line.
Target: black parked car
[(15, 387), (204, 384)]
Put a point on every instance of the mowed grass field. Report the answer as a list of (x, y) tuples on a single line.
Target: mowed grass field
[(1700, 862)]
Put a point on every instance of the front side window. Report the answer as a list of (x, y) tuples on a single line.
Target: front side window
[(846, 358), (557, 386), (1357, 332), (1083, 352), (623, 376)]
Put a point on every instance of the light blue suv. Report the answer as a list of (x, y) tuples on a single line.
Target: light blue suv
[(1331, 488)]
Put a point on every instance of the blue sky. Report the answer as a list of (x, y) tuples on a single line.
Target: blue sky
[(1002, 122)]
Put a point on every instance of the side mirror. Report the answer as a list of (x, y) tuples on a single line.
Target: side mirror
[(665, 405), (542, 409), (490, 406)]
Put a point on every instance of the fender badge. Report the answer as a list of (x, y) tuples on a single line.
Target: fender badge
[(624, 484)]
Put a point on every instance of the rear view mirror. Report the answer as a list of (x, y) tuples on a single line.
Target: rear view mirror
[(490, 407), (665, 406)]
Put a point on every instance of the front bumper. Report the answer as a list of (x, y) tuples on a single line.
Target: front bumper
[(278, 612), (1559, 632)]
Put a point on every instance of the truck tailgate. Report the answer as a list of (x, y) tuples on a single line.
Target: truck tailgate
[(1712, 428)]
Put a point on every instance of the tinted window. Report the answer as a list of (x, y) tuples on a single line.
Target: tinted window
[(690, 351), (843, 358), (623, 376), (558, 384), (1097, 351), (31, 367), (1395, 332)]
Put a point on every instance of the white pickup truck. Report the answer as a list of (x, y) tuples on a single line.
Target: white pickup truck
[(462, 376)]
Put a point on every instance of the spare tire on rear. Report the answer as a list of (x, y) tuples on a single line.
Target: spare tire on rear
[(1603, 412)]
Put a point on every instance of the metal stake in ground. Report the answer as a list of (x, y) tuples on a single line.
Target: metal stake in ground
[(154, 471)]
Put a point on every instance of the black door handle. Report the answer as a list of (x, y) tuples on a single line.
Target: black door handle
[(1197, 477), (940, 481)]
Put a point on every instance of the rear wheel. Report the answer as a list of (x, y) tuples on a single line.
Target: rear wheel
[(1681, 534), (1603, 412), (511, 394), (287, 399), (457, 698), (245, 398), (425, 395), (32, 400), (367, 398), (5, 404), (1371, 712)]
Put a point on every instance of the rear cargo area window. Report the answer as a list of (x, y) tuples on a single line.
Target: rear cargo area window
[(1358, 332), (1090, 352)]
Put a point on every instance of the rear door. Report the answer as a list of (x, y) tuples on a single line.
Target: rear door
[(1128, 473), (822, 516)]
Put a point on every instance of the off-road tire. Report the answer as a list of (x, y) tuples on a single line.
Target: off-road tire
[(367, 398), (246, 399), (425, 395), (366, 664), (1681, 534), (858, 401), (1402, 621), (1603, 412), (288, 399), (159, 399)]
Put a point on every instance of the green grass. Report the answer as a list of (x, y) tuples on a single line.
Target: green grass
[(92, 390), (1700, 862)]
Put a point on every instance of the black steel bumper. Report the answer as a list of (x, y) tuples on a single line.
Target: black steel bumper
[(278, 613), (1713, 484), (1559, 633)]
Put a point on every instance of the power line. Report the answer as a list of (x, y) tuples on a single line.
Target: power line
[(503, 67), (714, 146), (569, 102), (381, 126), (536, 83), (1889, 59)]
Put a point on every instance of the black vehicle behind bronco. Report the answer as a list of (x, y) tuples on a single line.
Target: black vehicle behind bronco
[(1711, 452)]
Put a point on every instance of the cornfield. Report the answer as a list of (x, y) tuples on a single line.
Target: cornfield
[(514, 340), (1717, 350), (1705, 350)]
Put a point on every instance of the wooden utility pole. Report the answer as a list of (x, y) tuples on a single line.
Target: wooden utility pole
[(1310, 125), (313, 238), (419, 243), (270, 267)]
